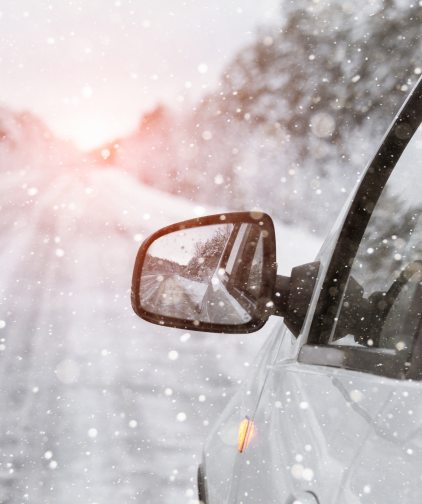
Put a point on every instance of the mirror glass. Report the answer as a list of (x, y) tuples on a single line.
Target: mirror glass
[(211, 274)]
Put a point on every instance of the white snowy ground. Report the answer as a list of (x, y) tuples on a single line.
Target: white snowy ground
[(97, 405)]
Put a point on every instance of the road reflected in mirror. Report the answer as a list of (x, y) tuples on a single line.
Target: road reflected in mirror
[(205, 274)]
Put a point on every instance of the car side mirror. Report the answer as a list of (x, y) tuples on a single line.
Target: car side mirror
[(214, 273)]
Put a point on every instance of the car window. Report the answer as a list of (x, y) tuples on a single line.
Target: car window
[(246, 274), (256, 272), (380, 308), (233, 249)]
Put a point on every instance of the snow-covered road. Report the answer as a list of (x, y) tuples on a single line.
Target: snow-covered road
[(97, 405)]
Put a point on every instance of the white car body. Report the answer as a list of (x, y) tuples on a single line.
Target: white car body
[(322, 433)]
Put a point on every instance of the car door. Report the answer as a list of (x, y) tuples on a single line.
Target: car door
[(340, 416)]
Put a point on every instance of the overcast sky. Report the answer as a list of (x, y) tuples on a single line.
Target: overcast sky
[(90, 68)]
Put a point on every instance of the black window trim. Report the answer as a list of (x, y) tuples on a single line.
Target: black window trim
[(315, 350)]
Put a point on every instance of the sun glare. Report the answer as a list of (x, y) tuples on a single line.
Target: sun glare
[(92, 132)]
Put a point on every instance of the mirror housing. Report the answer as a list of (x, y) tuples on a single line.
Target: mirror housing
[(293, 295), (213, 274)]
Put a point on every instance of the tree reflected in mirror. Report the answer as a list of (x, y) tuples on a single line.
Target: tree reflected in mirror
[(211, 274)]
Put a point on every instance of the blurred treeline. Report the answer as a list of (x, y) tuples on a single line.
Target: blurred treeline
[(296, 114)]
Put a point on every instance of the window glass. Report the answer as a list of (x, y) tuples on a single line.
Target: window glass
[(256, 269), (380, 308), (244, 268), (234, 250)]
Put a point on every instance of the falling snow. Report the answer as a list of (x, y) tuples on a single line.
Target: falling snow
[(100, 406)]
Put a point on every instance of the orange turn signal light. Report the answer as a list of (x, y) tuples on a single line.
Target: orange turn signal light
[(245, 434)]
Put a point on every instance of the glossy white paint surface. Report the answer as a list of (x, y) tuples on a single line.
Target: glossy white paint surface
[(322, 434)]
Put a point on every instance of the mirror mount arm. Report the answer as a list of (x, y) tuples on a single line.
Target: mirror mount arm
[(281, 295), (292, 295)]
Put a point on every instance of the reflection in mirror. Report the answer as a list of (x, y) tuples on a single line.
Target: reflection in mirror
[(208, 274)]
